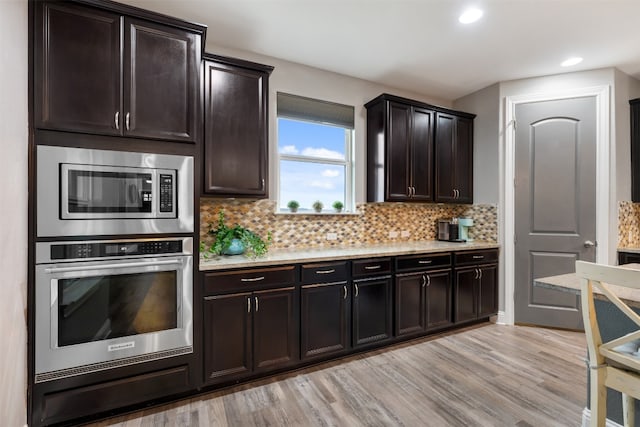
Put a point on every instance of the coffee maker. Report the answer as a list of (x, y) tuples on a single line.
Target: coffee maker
[(463, 229), (448, 230)]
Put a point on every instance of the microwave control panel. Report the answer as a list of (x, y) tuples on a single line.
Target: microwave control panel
[(69, 251), (166, 193)]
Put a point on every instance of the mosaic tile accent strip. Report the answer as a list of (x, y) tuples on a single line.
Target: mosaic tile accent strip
[(628, 224), (372, 224)]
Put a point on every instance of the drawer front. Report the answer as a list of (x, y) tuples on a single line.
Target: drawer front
[(423, 262), (476, 257), (325, 272), (371, 267), (241, 280)]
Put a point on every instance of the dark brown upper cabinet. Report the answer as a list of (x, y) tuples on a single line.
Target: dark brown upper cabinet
[(635, 150), (400, 147), (235, 127), (453, 158), (402, 137), (103, 71)]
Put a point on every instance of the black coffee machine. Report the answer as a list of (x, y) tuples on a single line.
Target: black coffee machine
[(448, 230)]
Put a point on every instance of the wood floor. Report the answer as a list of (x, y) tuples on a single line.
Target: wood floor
[(489, 375)]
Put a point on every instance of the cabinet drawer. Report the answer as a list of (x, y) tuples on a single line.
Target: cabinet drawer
[(325, 272), (476, 257), (234, 281), (371, 267), (422, 262)]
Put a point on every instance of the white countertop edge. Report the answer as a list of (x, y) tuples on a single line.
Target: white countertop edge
[(289, 256)]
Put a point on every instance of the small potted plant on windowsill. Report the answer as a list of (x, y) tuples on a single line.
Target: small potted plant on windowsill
[(338, 205), (317, 206), (235, 240), (293, 206)]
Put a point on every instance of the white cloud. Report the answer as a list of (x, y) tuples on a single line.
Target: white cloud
[(322, 152), (289, 149), (326, 185), (330, 173)]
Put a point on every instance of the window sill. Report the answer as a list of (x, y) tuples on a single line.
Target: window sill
[(307, 213)]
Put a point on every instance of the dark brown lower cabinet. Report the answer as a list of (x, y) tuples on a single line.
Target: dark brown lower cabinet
[(476, 292), (372, 308), (249, 332), (325, 319), (423, 301)]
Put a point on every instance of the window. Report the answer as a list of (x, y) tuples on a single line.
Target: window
[(315, 145)]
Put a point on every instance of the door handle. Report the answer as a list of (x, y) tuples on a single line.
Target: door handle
[(428, 280), (344, 288), (116, 120), (256, 299), (424, 281), (126, 120), (254, 279), (590, 244), (356, 294), (333, 270)]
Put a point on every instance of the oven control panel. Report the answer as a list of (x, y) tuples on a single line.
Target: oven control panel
[(69, 251)]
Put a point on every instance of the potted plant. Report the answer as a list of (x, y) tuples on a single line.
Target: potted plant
[(293, 205), (338, 205), (236, 240), (317, 206)]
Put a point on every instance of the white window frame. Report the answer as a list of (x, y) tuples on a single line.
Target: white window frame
[(348, 163)]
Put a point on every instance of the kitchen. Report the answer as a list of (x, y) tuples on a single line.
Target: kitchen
[(294, 78)]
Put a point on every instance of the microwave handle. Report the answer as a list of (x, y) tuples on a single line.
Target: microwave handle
[(109, 266)]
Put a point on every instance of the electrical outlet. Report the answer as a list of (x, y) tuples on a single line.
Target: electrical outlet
[(332, 236), (405, 233), (393, 234)]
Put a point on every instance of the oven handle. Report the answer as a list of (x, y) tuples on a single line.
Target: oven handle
[(110, 266)]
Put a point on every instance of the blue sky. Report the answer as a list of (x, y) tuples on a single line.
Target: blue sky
[(308, 182)]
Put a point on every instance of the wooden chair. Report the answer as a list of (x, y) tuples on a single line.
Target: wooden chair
[(616, 363)]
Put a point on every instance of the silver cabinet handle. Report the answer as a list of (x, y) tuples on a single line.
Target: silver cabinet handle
[(457, 194), (372, 267), (478, 257), (248, 304), (126, 120), (356, 294), (116, 120), (413, 191), (476, 271), (424, 281), (111, 266), (344, 288), (325, 271), (480, 271), (257, 307), (263, 183), (454, 193), (253, 279), (408, 191), (589, 244), (425, 261), (428, 280)]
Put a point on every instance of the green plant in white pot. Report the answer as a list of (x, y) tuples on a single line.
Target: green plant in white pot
[(293, 205), (317, 206), (338, 206)]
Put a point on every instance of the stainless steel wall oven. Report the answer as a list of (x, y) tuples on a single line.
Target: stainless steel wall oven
[(86, 192), (104, 304)]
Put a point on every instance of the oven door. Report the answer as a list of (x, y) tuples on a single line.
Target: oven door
[(92, 316)]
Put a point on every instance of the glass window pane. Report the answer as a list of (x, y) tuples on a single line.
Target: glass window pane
[(311, 139), (307, 182)]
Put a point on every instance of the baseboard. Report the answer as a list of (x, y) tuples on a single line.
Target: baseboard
[(586, 418), (502, 318)]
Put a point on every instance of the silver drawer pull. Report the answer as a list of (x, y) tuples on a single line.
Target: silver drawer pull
[(478, 257), (372, 267), (425, 261), (253, 279), (325, 271)]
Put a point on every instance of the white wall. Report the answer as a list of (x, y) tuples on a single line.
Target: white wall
[(311, 82), (13, 211), (485, 103)]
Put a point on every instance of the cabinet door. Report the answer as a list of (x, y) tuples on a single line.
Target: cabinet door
[(410, 304), (438, 294), (421, 155), (466, 294), (398, 144), (235, 141), (227, 336), (635, 149), (445, 160), (372, 306), (464, 160), (324, 318), (275, 329), (161, 81), (488, 291), (77, 68)]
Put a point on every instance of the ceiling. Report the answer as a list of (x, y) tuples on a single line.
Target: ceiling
[(419, 45)]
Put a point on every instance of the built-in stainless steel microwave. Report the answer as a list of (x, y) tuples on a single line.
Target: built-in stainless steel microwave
[(85, 192)]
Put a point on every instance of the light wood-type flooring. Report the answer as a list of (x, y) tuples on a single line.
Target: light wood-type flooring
[(489, 375)]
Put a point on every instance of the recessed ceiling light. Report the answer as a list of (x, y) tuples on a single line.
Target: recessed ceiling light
[(571, 61), (470, 15)]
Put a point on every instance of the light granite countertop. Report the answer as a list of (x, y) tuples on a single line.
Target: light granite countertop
[(635, 250), (288, 256), (571, 283)]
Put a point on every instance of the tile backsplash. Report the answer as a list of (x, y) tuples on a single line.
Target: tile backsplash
[(372, 223), (628, 224)]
